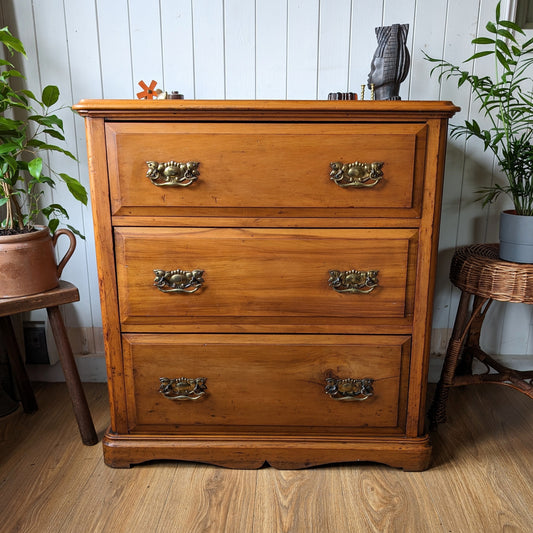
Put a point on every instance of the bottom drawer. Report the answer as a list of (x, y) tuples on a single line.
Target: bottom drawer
[(266, 383)]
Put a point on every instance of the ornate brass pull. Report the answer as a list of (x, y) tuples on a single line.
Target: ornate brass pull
[(173, 174), (182, 388), (353, 281), (349, 389), (178, 280), (356, 174)]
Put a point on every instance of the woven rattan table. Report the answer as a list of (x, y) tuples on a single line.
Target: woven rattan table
[(480, 274)]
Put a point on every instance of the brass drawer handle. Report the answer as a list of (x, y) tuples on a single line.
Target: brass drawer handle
[(356, 174), (183, 388), (178, 280), (353, 281), (173, 174), (349, 389)]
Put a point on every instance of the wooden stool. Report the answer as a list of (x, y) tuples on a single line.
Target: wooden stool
[(479, 272), (65, 293)]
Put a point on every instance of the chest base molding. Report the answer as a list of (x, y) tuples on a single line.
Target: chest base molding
[(284, 453)]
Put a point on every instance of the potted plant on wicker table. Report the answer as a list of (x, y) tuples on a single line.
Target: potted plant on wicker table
[(506, 101), (27, 260)]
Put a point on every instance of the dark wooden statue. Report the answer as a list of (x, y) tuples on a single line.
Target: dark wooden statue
[(390, 63)]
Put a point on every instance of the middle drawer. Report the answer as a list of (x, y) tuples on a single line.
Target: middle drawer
[(177, 275)]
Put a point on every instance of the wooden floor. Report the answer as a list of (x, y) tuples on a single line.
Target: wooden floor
[(481, 480)]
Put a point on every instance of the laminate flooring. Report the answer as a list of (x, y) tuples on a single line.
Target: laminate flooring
[(481, 480)]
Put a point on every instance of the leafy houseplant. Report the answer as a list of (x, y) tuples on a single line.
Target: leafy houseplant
[(505, 100), (22, 171), (27, 250)]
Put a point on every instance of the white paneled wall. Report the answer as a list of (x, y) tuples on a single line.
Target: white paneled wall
[(260, 49)]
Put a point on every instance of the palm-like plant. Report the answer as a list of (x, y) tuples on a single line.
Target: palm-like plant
[(507, 102)]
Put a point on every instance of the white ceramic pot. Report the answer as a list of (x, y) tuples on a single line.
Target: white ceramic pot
[(516, 237)]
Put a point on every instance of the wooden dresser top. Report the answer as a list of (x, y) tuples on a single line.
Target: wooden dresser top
[(265, 109)]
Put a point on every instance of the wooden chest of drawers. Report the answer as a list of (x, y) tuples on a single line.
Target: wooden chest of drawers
[(266, 274)]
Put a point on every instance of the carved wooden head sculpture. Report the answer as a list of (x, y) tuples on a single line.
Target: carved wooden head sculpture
[(390, 63)]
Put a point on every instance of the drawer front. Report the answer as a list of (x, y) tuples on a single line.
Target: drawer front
[(265, 382), (272, 166), (262, 273)]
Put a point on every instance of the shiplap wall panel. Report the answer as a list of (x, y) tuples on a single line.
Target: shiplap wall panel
[(84, 72), (461, 23), (428, 38), (54, 61), (334, 49), (114, 49), (177, 46), (366, 16), (302, 49), (477, 172), (271, 49), (145, 35), (209, 64), (239, 47), (268, 49)]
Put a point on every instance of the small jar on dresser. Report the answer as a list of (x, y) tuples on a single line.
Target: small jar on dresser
[(266, 273)]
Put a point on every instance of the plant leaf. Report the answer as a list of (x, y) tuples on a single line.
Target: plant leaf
[(28, 93), (502, 59), (8, 147), (52, 147), (75, 187), (507, 34), (512, 26), (52, 224), (55, 134), (491, 27), (54, 208), (49, 121), (76, 232), (483, 53), (12, 43), (527, 43), (7, 124), (483, 40), (50, 95), (35, 167), (503, 47)]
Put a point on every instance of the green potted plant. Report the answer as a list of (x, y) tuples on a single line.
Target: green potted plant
[(505, 100), (27, 262)]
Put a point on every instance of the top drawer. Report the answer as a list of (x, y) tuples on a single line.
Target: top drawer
[(274, 169)]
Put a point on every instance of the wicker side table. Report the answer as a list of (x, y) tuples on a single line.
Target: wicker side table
[(479, 272)]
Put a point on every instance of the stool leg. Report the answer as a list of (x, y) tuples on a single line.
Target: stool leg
[(474, 333), (72, 378), (437, 413), (27, 398)]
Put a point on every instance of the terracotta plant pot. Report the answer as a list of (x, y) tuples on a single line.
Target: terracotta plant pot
[(516, 237), (27, 262)]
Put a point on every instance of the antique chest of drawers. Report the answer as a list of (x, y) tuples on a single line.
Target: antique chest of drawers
[(266, 272)]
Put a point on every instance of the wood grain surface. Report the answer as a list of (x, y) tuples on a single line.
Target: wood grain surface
[(261, 273), (266, 383), (266, 159), (480, 480), (264, 165)]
